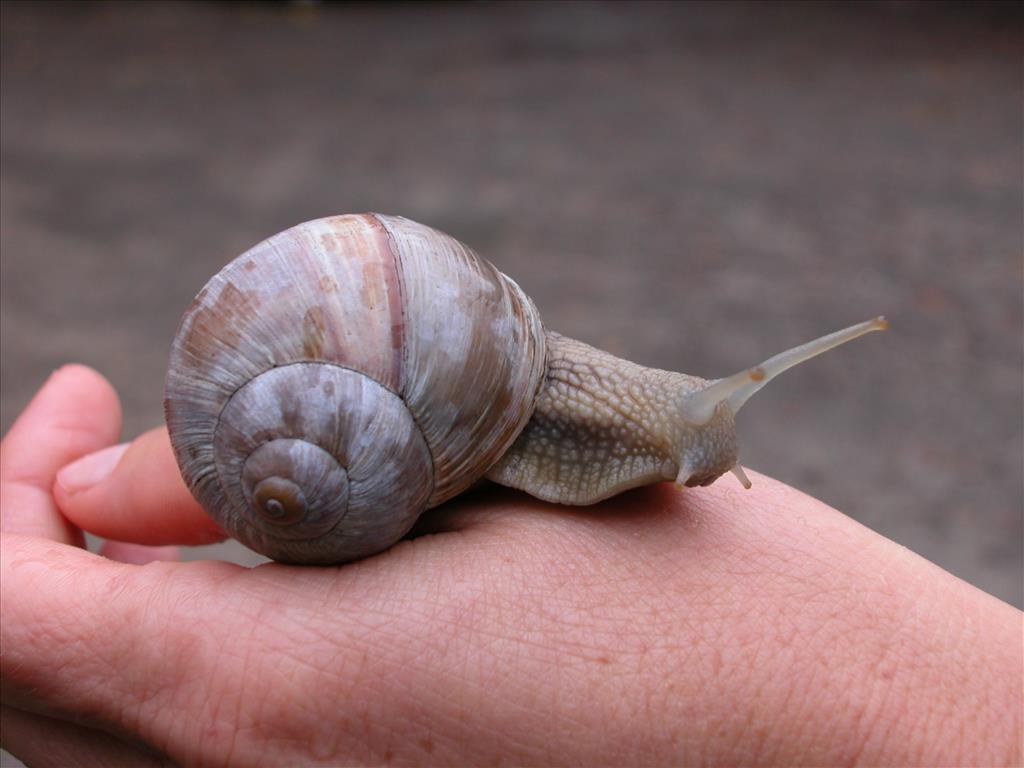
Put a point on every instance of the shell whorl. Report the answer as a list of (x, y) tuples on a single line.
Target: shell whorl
[(339, 378)]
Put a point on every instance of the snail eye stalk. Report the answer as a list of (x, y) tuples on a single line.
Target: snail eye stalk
[(698, 408)]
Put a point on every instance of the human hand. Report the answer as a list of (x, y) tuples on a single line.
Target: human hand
[(660, 627)]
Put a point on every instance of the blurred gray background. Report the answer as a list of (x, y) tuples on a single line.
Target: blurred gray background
[(691, 186)]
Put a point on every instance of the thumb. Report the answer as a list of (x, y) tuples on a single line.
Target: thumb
[(134, 493)]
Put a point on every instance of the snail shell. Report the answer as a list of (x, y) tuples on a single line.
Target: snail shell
[(337, 379)]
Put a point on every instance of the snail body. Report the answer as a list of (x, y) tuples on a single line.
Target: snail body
[(338, 379)]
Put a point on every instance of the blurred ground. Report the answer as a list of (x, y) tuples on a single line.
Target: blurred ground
[(691, 186)]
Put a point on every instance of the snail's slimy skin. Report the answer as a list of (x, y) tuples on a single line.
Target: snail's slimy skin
[(603, 425)]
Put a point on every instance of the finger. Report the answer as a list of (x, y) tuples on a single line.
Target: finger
[(135, 495), (75, 412), (42, 741), (138, 554)]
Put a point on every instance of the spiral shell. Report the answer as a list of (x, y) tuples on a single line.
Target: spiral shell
[(339, 378)]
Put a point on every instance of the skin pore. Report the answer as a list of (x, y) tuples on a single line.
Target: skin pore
[(663, 626)]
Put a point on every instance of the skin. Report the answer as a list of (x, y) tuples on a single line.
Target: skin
[(660, 627), (602, 425)]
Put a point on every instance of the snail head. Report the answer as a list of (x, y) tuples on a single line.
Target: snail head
[(712, 409)]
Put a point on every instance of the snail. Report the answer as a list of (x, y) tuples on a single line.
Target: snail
[(338, 379)]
